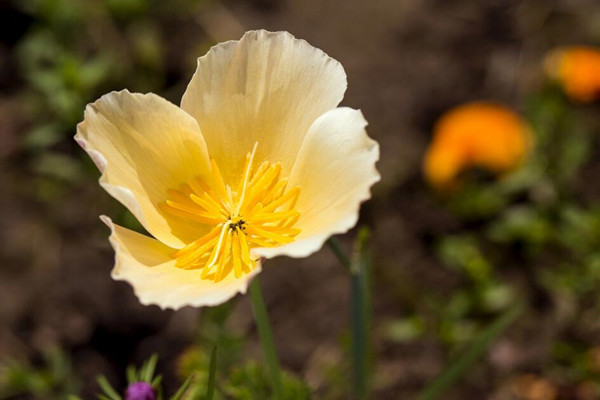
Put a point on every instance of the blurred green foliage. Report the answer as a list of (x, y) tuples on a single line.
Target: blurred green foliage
[(53, 378), (536, 220), (146, 373), (236, 378), (248, 382), (73, 52), (533, 235)]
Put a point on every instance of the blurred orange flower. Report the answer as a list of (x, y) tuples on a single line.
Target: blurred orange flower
[(477, 134), (577, 70)]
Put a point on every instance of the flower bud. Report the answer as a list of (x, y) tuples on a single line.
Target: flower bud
[(140, 391)]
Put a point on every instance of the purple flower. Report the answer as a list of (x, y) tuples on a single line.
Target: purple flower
[(140, 391)]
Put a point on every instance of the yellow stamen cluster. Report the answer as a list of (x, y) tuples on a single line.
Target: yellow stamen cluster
[(259, 212)]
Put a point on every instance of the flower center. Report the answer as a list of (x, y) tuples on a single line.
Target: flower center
[(258, 212)]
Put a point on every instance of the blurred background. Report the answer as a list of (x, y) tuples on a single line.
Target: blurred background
[(447, 261)]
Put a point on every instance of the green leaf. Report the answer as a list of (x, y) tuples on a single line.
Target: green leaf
[(249, 382), (184, 387), (156, 381), (148, 368), (456, 370), (59, 166), (462, 252), (210, 386), (131, 374), (43, 136), (109, 391), (263, 325), (405, 329)]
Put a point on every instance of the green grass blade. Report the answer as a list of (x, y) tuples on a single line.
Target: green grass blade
[(148, 369), (266, 339), (156, 381), (107, 388), (212, 373), (182, 389), (131, 374), (462, 364)]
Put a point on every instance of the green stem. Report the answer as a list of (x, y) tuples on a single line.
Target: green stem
[(358, 334), (359, 309), (335, 246), (266, 339)]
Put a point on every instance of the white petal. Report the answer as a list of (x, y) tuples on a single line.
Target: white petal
[(147, 265), (335, 170), (266, 88), (144, 145)]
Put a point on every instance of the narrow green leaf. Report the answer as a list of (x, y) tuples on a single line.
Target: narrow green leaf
[(148, 368), (158, 388), (109, 391), (156, 381), (184, 387), (212, 373), (266, 339), (456, 370), (131, 374)]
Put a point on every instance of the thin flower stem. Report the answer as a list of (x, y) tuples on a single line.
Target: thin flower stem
[(335, 246), (360, 296), (359, 334), (266, 339), (360, 317)]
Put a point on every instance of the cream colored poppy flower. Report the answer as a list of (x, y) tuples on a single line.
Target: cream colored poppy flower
[(257, 162)]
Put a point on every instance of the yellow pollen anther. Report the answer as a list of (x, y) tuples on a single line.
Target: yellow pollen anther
[(258, 212)]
